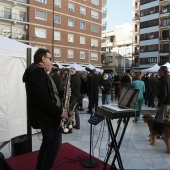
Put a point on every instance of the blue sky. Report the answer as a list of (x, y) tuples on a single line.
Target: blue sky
[(118, 13)]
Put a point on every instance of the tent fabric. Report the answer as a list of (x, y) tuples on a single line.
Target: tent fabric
[(12, 90), (76, 66), (152, 69)]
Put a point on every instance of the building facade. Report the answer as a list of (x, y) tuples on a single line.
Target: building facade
[(117, 49), (70, 29), (151, 32)]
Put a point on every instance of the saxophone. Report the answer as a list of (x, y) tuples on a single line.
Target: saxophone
[(66, 124)]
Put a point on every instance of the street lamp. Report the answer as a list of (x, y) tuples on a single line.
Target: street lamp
[(34, 36)]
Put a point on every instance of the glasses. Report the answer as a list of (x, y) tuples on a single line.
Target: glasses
[(49, 58)]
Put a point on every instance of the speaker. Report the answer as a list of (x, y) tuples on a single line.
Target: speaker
[(20, 145)]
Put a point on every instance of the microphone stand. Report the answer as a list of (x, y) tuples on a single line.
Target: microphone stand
[(90, 163)]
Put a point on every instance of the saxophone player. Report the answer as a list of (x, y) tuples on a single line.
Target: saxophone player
[(43, 109)]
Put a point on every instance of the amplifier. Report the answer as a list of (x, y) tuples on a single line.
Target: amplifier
[(21, 144)]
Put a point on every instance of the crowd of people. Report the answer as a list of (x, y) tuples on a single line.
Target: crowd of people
[(46, 87)]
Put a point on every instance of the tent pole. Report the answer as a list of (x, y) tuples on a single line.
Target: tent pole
[(29, 130)]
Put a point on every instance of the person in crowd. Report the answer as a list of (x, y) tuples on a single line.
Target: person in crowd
[(163, 94), (106, 89), (116, 84), (138, 84), (55, 75), (146, 88), (83, 90), (43, 109), (92, 90), (75, 95), (152, 89)]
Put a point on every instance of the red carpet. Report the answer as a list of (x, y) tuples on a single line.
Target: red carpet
[(69, 158)]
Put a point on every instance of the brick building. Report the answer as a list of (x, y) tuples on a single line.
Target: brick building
[(70, 29)]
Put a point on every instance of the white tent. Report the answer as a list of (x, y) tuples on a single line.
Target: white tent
[(12, 89), (97, 69), (90, 66), (76, 66), (152, 69)]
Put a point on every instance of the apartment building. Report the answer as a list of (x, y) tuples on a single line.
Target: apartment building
[(70, 29), (151, 32), (117, 49)]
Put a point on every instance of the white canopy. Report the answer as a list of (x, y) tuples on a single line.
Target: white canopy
[(12, 89), (97, 69), (76, 66), (152, 69), (90, 66)]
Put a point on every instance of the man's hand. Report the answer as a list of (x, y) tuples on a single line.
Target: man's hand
[(65, 113)]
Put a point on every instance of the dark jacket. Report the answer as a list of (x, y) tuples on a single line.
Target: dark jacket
[(152, 84), (75, 87), (107, 86), (41, 103), (164, 90)]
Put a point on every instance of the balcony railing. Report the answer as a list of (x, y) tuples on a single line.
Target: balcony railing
[(14, 35), (164, 24), (164, 51), (22, 1), (13, 16), (136, 18)]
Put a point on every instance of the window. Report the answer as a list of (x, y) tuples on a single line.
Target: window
[(57, 52), (22, 16), (94, 28), (82, 40), (95, 2), (82, 25), (57, 35), (82, 10), (70, 54), (94, 42), (70, 22), (42, 1), (82, 55), (40, 33), (70, 38), (94, 56), (58, 3), (95, 14), (71, 7), (40, 15), (57, 19)]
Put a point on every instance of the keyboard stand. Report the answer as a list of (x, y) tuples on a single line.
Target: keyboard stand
[(114, 143)]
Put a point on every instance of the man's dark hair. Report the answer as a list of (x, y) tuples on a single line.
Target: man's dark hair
[(39, 54), (164, 69)]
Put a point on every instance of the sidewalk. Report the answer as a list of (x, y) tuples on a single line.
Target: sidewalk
[(135, 150)]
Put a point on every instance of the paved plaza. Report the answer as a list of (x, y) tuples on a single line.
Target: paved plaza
[(136, 152)]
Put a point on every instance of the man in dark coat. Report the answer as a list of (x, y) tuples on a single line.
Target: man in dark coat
[(42, 108), (163, 106), (93, 90), (75, 94)]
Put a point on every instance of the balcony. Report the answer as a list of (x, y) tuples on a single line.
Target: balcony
[(14, 35), (136, 8), (163, 52), (104, 2), (162, 2), (136, 31), (164, 39), (165, 13), (18, 2), (12, 17), (104, 25), (164, 25), (136, 19), (104, 13)]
